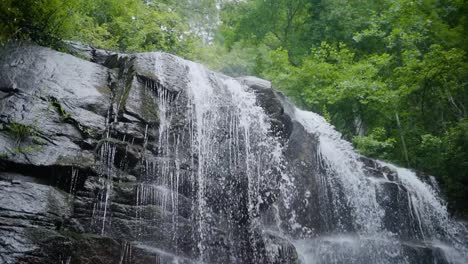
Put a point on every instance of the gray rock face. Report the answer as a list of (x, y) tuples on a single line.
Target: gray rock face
[(97, 165), (58, 99), (27, 211), (78, 139)]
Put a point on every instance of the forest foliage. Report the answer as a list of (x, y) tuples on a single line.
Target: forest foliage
[(391, 75)]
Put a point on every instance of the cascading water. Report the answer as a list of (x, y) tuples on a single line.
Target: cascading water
[(100, 217), (233, 152), (233, 159), (431, 215), (160, 176), (372, 239), (248, 205), (343, 174)]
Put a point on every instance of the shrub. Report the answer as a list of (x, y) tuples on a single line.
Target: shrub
[(376, 144)]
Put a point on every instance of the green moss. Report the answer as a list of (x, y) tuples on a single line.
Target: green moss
[(38, 140), (148, 106), (19, 150), (111, 140), (124, 85), (21, 131), (104, 90), (25, 150), (71, 234), (80, 161), (60, 110), (40, 234), (67, 117)]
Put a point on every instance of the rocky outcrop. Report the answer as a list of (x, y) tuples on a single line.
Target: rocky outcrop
[(82, 138), (59, 118), (77, 136)]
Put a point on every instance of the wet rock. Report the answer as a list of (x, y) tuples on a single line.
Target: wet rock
[(53, 88), (398, 211), (301, 154), (88, 176), (269, 100), (128, 131), (280, 250), (27, 210), (87, 52), (173, 73)]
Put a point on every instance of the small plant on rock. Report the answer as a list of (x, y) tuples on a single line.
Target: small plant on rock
[(20, 131)]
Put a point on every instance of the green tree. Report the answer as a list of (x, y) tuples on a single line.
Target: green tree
[(45, 22)]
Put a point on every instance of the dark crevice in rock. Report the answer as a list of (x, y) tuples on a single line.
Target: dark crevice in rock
[(88, 52), (85, 144), (100, 56), (114, 61), (123, 118), (6, 92), (67, 118), (68, 178), (158, 89), (127, 155), (123, 84), (10, 89)]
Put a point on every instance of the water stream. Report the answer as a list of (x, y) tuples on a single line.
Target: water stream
[(236, 164), (372, 239), (231, 150)]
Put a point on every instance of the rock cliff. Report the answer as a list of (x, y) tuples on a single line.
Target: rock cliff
[(99, 164)]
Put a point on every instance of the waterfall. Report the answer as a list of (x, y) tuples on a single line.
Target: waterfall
[(233, 150), (251, 194), (185, 165), (371, 239), (344, 172)]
